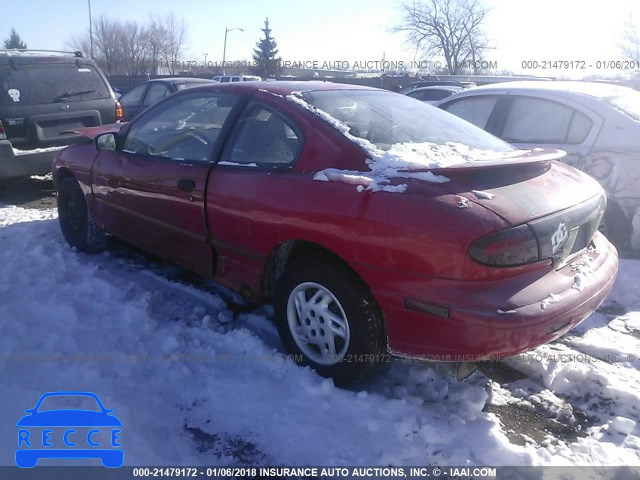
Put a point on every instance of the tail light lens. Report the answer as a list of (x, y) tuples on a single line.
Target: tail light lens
[(119, 111), (506, 248), (3, 136)]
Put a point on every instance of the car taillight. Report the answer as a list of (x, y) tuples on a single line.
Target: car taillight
[(3, 136), (506, 248), (119, 111)]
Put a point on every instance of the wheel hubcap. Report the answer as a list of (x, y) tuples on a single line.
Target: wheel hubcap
[(318, 323)]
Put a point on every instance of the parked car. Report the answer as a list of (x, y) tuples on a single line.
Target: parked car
[(142, 96), (376, 224), (433, 95), (436, 82), (236, 78), (42, 95), (597, 124)]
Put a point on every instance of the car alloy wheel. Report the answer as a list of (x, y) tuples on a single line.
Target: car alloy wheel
[(318, 323), (328, 319)]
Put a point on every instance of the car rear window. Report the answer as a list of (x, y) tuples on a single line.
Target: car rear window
[(385, 118), (42, 83)]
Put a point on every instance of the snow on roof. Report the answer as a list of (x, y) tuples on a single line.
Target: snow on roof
[(592, 89)]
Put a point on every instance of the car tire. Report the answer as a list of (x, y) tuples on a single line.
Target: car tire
[(76, 220), (615, 226), (327, 319)]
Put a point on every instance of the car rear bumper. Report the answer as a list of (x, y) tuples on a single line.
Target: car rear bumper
[(494, 319), (17, 163)]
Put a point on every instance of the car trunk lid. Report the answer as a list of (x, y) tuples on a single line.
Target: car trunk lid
[(561, 205)]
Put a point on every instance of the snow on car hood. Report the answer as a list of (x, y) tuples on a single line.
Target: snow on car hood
[(415, 160)]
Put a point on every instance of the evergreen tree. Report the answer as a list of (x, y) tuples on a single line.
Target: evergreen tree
[(13, 41), (265, 55)]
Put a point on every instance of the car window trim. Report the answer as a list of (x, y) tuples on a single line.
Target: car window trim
[(232, 137)]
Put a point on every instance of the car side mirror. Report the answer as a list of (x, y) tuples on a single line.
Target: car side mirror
[(106, 141)]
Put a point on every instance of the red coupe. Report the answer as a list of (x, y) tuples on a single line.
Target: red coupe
[(375, 224)]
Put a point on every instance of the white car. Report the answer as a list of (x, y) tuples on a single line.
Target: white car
[(236, 78), (597, 124)]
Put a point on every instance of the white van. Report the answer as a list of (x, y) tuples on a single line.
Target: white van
[(236, 78)]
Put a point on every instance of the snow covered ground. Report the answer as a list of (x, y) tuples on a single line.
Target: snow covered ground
[(196, 382)]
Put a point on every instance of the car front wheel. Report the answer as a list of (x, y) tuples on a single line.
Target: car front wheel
[(328, 320), (76, 221)]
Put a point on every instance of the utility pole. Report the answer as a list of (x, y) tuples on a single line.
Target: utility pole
[(224, 50), (90, 31)]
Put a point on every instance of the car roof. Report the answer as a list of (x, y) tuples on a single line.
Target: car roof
[(591, 89), (181, 80), (448, 88), (288, 87)]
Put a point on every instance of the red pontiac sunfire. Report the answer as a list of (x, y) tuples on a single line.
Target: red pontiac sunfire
[(374, 223)]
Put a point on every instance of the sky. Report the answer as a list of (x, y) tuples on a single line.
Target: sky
[(338, 30)]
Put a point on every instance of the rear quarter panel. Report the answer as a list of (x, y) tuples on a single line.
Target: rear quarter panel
[(250, 211)]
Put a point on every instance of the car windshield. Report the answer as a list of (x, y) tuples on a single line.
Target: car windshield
[(385, 119), (628, 103), (43, 83), (69, 402)]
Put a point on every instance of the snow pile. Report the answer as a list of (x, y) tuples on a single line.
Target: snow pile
[(483, 195), (550, 300), (463, 202), (196, 384), (582, 269), (403, 160), (18, 153)]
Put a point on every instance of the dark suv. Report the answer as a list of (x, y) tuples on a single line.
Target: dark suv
[(42, 95)]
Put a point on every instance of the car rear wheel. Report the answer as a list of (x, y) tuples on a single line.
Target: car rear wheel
[(76, 220), (328, 320)]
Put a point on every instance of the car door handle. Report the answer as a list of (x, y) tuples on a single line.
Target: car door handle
[(186, 185)]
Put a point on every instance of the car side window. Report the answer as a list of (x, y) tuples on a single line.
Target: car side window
[(157, 91), (133, 97), (579, 129), (262, 138), (184, 128), (535, 120), (476, 110)]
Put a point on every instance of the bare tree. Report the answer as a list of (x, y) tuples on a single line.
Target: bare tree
[(156, 46), (131, 48), (106, 41), (175, 34), (630, 47), (451, 28)]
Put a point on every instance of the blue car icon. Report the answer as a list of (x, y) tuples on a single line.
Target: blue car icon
[(76, 433)]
